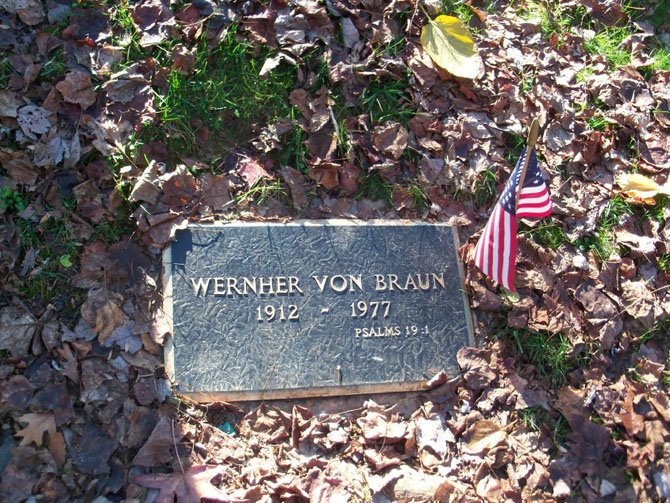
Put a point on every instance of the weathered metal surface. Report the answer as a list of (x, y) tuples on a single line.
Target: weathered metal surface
[(313, 308)]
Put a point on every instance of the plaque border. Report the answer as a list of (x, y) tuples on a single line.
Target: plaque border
[(311, 392)]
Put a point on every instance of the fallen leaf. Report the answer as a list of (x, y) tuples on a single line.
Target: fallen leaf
[(91, 450), (483, 436), (296, 186), (474, 363), (251, 171), (269, 423), (108, 317), (57, 448), (183, 59), (31, 12), (191, 486), (17, 328), (179, 187), (448, 42), (77, 88), (349, 33), (325, 174), (33, 120), (390, 139), (9, 103), (377, 426), (161, 444), (154, 21), (38, 424), (381, 459), (637, 185), (54, 397)]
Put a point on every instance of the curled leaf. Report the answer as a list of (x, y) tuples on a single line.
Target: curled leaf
[(636, 185), (448, 42)]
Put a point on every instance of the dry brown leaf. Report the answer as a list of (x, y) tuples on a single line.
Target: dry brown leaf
[(57, 448), (191, 486), (390, 139), (161, 444), (77, 88), (38, 424), (483, 436), (17, 328), (108, 317)]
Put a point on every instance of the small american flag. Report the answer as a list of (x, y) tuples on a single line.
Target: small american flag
[(495, 253)]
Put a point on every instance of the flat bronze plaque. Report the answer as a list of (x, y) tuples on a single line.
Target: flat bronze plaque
[(313, 308)]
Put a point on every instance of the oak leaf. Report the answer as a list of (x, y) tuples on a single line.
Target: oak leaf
[(192, 485), (449, 44), (38, 423)]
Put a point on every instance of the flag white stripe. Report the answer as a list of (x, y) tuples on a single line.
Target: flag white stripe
[(496, 245), (533, 190), (489, 240), (507, 249), (478, 248), (485, 247), (529, 212)]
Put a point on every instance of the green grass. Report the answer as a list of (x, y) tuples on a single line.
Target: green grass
[(664, 263), (550, 423), (418, 195), (547, 234), (515, 145), (384, 100), (56, 249), (485, 189), (603, 242), (527, 82), (657, 211), (293, 152), (584, 74), (373, 186), (125, 34), (598, 122), (226, 94), (661, 57), (661, 60), (55, 67), (391, 49), (261, 191), (550, 354), (556, 20), (608, 43), (6, 71), (112, 231), (661, 15), (457, 8), (11, 200)]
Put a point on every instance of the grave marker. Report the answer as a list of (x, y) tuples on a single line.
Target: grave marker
[(312, 308)]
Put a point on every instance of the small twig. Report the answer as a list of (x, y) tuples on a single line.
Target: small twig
[(176, 451), (424, 10), (337, 128)]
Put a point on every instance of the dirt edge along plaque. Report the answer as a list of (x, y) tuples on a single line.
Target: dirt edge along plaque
[(312, 308)]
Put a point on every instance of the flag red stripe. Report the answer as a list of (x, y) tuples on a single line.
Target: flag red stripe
[(496, 251)]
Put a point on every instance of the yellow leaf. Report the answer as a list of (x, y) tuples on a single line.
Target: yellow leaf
[(636, 185), (38, 423), (449, 44)]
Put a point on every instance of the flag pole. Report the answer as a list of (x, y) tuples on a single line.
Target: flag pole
[(530, 144)]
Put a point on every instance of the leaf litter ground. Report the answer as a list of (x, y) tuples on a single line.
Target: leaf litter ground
[(121, 122)]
